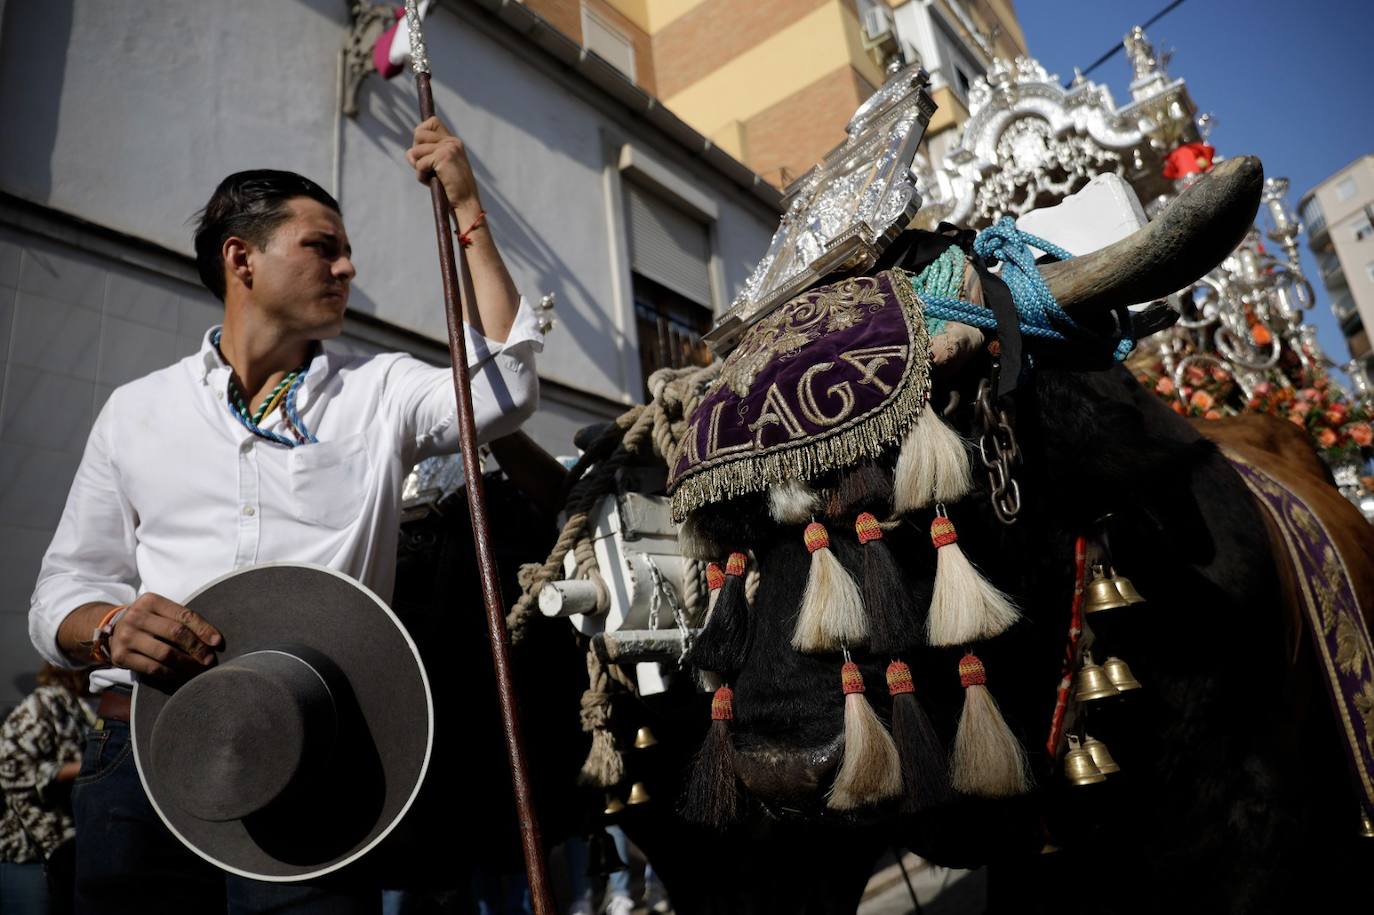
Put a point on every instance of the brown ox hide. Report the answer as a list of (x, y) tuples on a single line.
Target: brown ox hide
[(1285, 453)]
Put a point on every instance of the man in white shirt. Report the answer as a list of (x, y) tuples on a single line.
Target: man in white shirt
[(263, 446)]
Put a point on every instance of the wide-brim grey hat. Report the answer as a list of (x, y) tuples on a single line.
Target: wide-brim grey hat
[(306, 743)]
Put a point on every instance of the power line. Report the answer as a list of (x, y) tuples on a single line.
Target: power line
[(1118, 46)]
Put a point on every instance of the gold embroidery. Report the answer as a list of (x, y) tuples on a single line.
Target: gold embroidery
[(714, 448), (775, 411), (688, 449), (795, 324), (870, 360), (806, 396), (1364, 704)]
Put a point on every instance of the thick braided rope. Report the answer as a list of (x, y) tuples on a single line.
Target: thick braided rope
[(597, 482)]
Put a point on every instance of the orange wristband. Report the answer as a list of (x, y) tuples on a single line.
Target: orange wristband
[(101, 637)]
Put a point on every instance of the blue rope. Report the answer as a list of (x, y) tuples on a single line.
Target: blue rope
[(289, 405), (1037, 311)]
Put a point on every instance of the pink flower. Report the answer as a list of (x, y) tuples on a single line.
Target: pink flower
[(1297, 421), (1300, 408), (1335, 413), (1211, 414), (1326, 437), (1165, 386), (1361, 433), (1263, 388), (1200, 400), (1309, 394)]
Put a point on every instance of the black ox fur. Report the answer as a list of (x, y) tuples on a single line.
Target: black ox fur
[(1233, 795)]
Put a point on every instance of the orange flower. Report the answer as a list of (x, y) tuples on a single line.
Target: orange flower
[(1297, 421), (1211, 414), (1360, 433), (1179, 408), (1195, 374), (1335, 413), (1164, 386), (1260, 334), (1326, 437), (1200, 400)]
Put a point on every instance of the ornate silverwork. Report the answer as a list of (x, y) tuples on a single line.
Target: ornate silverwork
[(843, 213)]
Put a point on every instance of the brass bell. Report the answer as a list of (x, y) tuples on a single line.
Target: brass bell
[(1125, 588), (1102, 593), (614, 805), (1092, 682), (638, 794), (1101, 756), (644, 738), (602, 857), (1120, 675), (1366, 826), (1079, 767)]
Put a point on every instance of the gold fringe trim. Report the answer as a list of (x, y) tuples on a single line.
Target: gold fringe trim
[(863, 437)]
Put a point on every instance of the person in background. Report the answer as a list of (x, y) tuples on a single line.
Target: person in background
[(40, 756)]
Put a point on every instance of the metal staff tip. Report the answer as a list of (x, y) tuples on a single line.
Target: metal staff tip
[(419, 57)]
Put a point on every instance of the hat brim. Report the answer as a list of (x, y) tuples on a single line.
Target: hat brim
[(379, 765)]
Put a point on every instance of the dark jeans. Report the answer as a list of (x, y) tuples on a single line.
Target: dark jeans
[(128, 862)]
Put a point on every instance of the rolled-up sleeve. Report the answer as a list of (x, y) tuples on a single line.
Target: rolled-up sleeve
[(92, 555), (505, 390)]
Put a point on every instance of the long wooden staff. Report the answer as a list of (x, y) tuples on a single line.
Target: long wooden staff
[(477, 503)]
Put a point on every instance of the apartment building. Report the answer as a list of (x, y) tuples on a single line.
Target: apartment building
[(1339, 216)]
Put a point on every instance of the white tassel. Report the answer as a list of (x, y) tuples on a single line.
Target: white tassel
[(987, 760), (832, 610), (933, 465), (693, 543), (964, 607), (870, 771), (792, 502)]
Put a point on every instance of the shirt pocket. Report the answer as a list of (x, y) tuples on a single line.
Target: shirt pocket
[(328, 481)]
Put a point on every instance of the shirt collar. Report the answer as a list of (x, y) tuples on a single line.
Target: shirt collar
[(211, 361)]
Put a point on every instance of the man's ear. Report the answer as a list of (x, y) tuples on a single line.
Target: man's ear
[(234, 252)]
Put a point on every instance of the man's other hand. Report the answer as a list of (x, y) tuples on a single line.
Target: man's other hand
[(438, 152), (160, 638)]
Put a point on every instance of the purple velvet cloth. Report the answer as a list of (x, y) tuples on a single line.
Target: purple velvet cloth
[(833, 376), (1333, 618)]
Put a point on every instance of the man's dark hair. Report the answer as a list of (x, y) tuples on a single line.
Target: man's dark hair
[(249, 205)]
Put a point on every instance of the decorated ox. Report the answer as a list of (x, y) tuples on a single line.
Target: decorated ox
[(1256, 701), (818, 445)]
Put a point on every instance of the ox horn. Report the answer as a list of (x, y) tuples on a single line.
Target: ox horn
[(1193, 234)]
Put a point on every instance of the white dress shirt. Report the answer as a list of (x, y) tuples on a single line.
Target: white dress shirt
[(173, 491)]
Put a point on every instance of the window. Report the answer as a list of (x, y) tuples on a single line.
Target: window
[(962, 79), (670, 258), (608, 43), (1364, 228), (669, 328), (1345, 190)]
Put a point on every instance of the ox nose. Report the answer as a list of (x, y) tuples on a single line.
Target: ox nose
[(787, 775)]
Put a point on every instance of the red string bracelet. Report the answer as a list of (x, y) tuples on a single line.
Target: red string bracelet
[(465, 238)]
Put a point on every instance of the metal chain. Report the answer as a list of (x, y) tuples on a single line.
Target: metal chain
[(998, 451), (664, 590)]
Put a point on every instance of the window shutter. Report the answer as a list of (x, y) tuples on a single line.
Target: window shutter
[(668, 246)]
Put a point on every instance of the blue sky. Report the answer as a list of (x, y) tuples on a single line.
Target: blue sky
[(1288, 82)]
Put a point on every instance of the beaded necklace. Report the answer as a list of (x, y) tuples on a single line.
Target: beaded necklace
[(283, 395)]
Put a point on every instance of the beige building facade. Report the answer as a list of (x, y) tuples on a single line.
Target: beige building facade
[(1339, 216), (773, 82)]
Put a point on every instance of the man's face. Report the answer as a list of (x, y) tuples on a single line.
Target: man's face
[(302, 274)]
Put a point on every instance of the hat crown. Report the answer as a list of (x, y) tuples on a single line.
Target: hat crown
[(238, 737)]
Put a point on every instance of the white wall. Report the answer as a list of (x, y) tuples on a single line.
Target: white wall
[(126, 113)]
